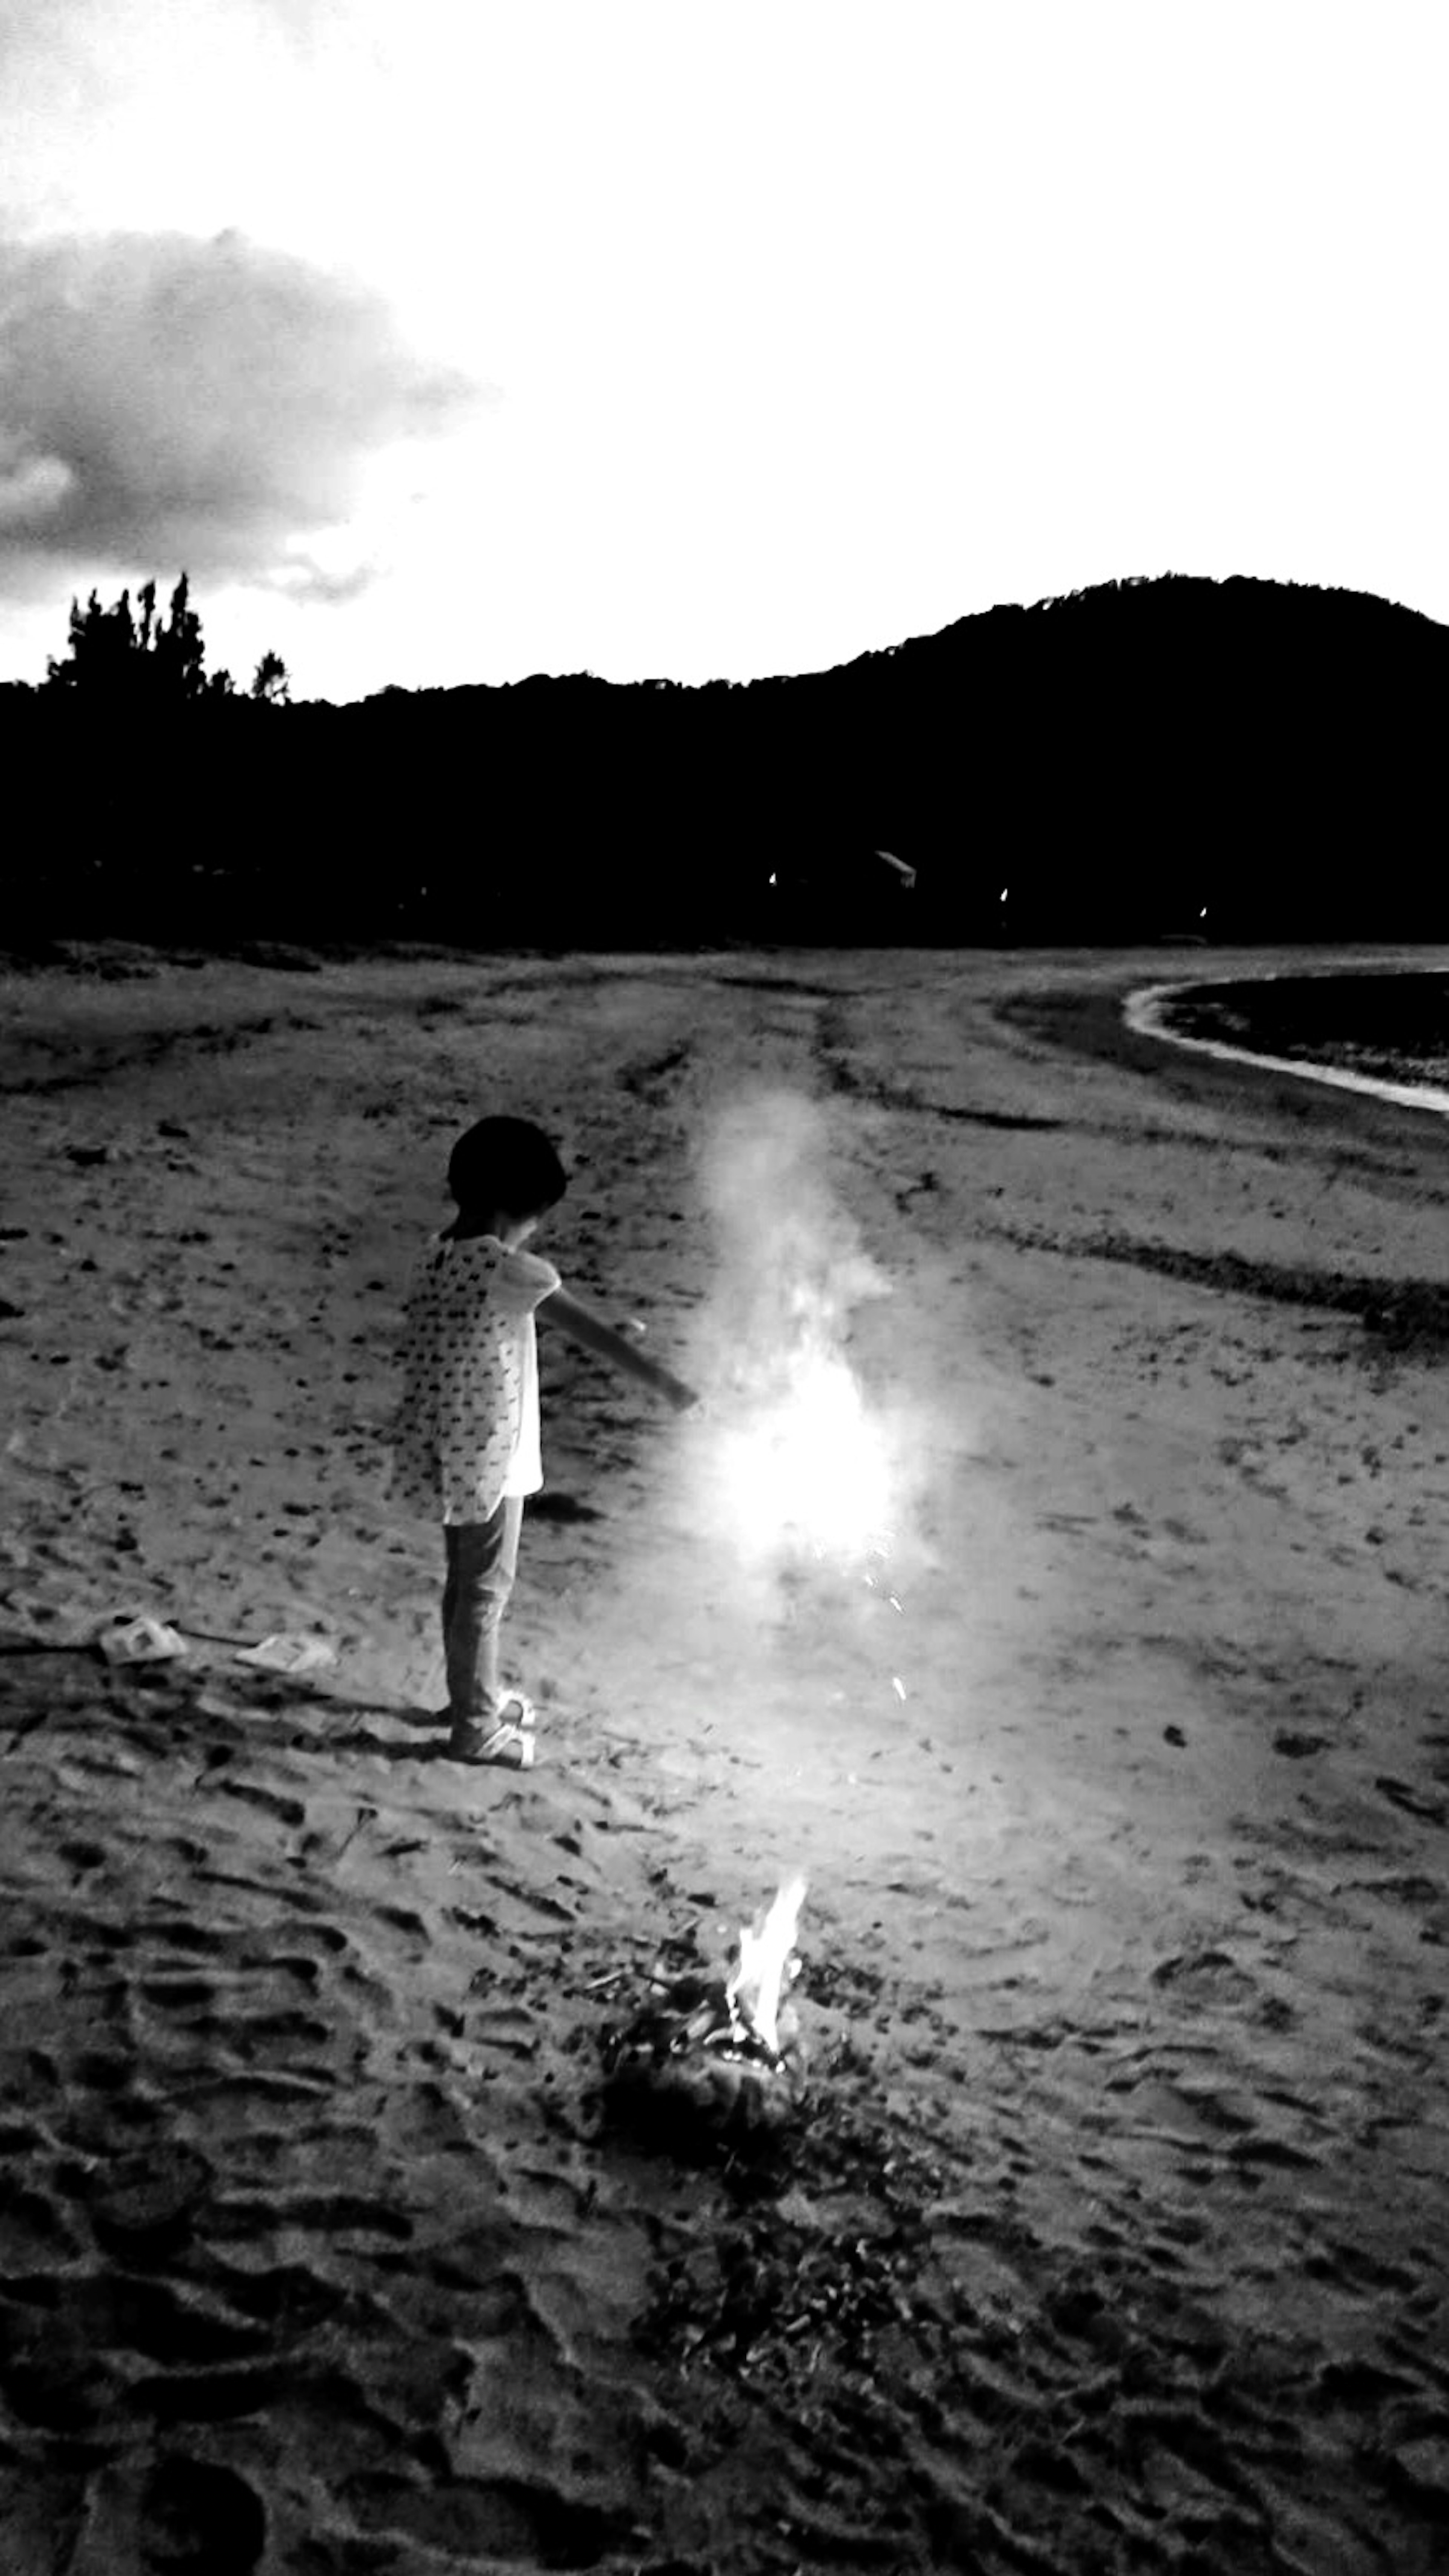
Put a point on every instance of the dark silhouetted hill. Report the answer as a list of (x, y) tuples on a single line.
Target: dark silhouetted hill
[(1119, 761)]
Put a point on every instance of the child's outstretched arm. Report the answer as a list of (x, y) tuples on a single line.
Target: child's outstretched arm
[(583, 1325)]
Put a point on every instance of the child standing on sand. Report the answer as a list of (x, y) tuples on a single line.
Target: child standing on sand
[(466, 1436)]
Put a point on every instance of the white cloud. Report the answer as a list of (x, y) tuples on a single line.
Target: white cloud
[(167, 401)]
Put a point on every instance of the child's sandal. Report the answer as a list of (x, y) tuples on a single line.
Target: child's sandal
[(513, 1710), (505, 1744)]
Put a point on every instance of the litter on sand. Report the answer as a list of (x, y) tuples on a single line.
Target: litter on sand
[(138, 1639), (290, 1654)]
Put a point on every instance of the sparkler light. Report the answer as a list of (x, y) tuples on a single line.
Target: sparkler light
[(805, 1469)]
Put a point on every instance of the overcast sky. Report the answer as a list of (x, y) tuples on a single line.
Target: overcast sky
[(446, 341)]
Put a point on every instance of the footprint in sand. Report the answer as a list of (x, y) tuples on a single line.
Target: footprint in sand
[(146, 2205), (325, 2213), (1413, 1802), (197, 2513), (82, 1856), (512, 2519), (53, 2376), (35, 2234), (178, 1993), (287, 1811), (1205, 1977)]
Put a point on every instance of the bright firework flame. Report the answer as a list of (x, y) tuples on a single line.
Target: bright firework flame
[(807, 1468), (801, 1467)]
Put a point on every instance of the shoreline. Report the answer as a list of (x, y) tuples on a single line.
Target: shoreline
[(1147, 1012)]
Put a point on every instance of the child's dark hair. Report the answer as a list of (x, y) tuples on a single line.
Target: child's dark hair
[(506, 1164)]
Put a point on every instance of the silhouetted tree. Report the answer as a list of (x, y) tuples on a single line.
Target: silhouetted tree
[(179, 649), (270, 684), (119, 658), (101, 643)]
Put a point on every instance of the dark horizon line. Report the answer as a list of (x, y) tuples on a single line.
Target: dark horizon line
[(1005, 610), (1116, 584)]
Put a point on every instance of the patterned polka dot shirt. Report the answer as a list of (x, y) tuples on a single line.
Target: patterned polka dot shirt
[(466, 1431)]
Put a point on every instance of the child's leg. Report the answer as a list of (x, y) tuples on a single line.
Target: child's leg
[(482, 1561), (512, 1532), (450, 1586)]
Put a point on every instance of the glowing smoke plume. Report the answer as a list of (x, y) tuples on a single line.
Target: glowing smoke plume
[(802, 1467)]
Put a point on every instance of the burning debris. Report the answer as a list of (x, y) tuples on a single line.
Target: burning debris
[(715, 2057)]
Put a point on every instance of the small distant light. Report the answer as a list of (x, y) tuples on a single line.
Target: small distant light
[(1202, 916), (772, 876), (1004, 892), (898, 1686)]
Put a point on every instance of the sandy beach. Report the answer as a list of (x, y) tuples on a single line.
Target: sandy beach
[(1114, 2237)]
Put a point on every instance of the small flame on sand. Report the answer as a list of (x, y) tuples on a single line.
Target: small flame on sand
[(754, 1989)]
